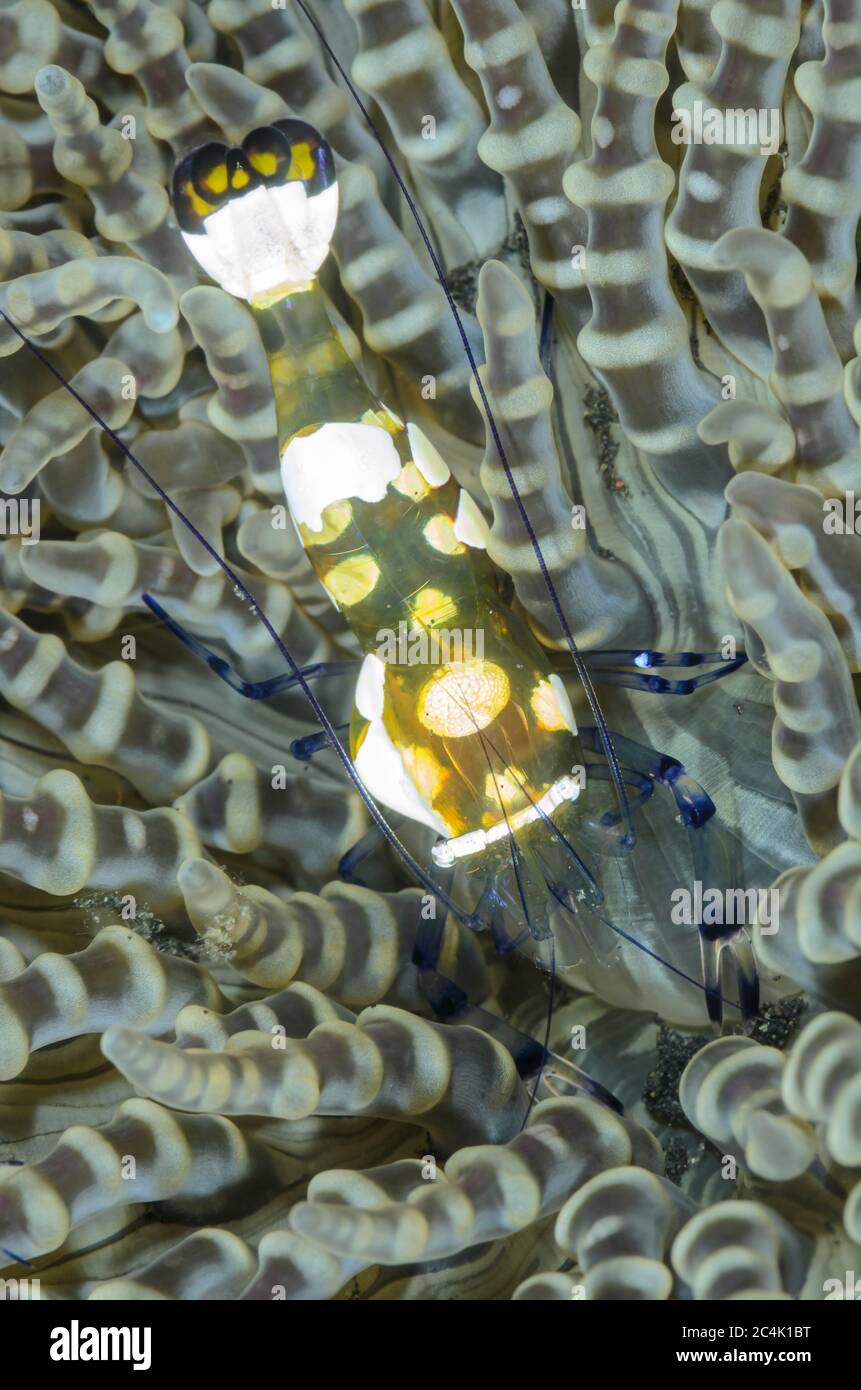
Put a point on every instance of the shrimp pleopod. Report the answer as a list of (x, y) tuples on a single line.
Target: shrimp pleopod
[(460, 723)]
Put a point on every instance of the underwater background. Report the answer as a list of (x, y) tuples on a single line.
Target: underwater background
[(221, 1074)]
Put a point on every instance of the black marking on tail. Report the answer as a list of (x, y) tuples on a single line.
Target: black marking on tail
[(289, 151)]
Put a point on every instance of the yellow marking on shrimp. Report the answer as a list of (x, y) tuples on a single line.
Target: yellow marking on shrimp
[(463, 698), (505, 788), (302, 164), (336, 518), (385, 418), (263, 162), (545, 705), (431, 607), (410, 483), (351, 581), (426, 771), (199, 205), (216, 179), (439, 533), (241, 178)]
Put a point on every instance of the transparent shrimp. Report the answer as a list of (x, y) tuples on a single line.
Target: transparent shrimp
[(552, 836), (460, 722)]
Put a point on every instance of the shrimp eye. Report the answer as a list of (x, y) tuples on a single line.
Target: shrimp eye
[(259, 217)]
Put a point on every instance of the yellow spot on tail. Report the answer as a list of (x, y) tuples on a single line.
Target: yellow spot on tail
[(302, 164), (352, 580), (216, 179), (264, 162), (240, 178), (198, 205)]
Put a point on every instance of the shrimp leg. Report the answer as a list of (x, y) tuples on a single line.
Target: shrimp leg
[(696, 809), (362, 850), (632, 669), (251, 690), (303, 749), (451, 1004)]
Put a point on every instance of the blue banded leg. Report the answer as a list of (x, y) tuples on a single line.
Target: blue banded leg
[(363, 849), (521, 891), (521, 879), (303, 749), (451, 1004), (632, 669), (695, 805), (251, 690), (638, 782), (696, 810)]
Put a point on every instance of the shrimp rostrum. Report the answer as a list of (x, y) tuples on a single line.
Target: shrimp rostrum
[(553, 835)]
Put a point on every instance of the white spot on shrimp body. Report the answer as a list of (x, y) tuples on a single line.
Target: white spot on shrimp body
[(603, 132), (30, 819), (8, 639), (565, 707), (370, 688), (508, 97), (427, 459), (378, 762), (269, 237), (782, 342), (337, 461), (381, 768), (470, 527)]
